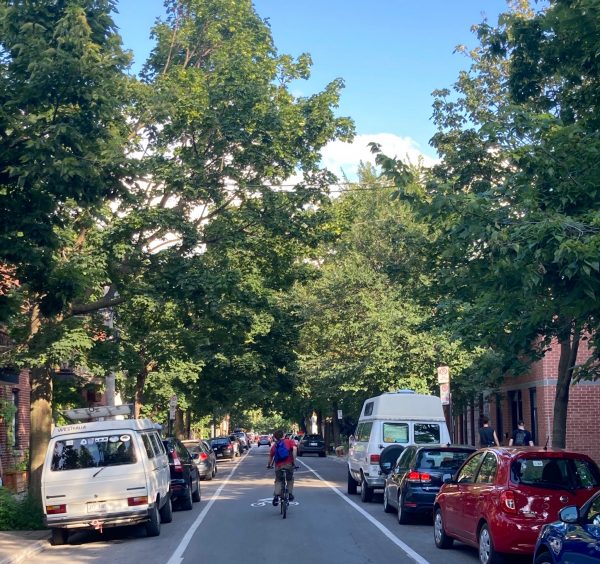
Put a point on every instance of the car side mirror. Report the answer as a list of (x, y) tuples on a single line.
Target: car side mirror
[(447, 478), (569, 514)]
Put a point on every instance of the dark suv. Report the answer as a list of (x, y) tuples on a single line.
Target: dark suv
[(185, 480), (312, 444), (222, 447)]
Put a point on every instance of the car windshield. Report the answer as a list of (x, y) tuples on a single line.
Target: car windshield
[(444, 460), (93, 452), (570, 473)]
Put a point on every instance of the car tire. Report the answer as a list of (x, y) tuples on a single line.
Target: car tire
[(402, 515), (59, 537), (352, 485), (166, 511), (196, 496), (186, 501), (441, 539), (322, 454), (543, 558), (487, 553), (214, 470), (386, 502), (366, 493), (153, 525)]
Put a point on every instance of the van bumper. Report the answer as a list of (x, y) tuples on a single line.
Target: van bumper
[(93, 520)]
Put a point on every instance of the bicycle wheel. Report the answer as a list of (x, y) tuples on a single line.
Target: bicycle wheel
[(284, 504)]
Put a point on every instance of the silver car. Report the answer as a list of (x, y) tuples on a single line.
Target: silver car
[(204, 458)]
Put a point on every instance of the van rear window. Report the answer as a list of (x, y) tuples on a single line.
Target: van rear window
[(93, 452), (395, 432), (427, 433)]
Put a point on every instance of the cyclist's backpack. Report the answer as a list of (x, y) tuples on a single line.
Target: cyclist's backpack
[(281, 451), (520, 438)]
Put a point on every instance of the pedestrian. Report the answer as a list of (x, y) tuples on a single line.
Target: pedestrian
[(487, 435), (521, 436)]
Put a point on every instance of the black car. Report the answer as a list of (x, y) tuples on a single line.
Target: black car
[(222, 447), (312, 443), (415, 478), (185, 480)]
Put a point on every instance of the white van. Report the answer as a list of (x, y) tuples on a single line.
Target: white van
[(396, 418), (105, 474)]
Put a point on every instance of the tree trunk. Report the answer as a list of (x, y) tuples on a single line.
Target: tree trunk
[(336, 425), (568, 355), (188, 423), (41, 427), (138, 399), (179, 426)]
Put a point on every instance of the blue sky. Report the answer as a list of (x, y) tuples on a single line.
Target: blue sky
[(391, 53)]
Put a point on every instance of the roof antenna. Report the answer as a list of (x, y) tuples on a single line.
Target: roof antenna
[(546, 445)]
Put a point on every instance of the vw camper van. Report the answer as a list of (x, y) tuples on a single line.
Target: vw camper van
[(100, 474), (395, 418)]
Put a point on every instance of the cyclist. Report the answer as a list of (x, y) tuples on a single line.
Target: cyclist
[(286, 465)]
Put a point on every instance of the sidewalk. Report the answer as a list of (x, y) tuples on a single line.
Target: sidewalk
[(21, 546)]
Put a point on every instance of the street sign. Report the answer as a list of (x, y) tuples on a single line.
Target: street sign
[(443, 373), (172, 410), (339, 414), (445, 394)]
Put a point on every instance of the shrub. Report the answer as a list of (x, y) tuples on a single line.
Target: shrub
[(19, 513)]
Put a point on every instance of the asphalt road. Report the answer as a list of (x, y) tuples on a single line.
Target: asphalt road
[(235, 522)]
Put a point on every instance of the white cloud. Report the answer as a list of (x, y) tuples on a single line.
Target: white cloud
[(344, 158)]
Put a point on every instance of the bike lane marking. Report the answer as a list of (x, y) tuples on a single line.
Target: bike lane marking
[(177, 556), (407, 549)]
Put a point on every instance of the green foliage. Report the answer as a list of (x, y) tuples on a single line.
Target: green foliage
[(19, 513)]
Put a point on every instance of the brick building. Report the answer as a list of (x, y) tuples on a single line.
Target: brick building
[(531, 397)]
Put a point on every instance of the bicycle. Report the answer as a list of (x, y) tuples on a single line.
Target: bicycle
[(284, 498)]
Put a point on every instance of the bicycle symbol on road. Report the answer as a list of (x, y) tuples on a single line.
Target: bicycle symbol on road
[(268, 501)]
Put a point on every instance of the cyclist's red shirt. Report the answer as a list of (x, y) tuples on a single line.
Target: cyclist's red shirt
[(291, 445)]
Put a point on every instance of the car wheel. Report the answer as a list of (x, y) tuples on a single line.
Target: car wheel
[(186, 502), (543, 558), (153, 525), (322, 454), (487, 554), (166, 511), (402, 515), (386, 502), (366, 493), (214, 470), (351, 484), (196, 493), (59, 537), (442, 540)]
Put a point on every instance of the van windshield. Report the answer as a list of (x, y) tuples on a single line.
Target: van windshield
[(93, 452), (395, 432)]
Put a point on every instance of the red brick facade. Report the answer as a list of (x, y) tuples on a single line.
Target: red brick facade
[(15, 389), (531, 397)]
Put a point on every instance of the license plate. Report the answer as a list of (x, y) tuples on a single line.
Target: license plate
[(312, 444), (97, 507)]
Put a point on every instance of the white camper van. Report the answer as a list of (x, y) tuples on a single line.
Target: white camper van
[(103, 474), (396, 418)]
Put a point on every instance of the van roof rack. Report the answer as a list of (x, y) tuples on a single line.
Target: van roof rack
[(99, 412)]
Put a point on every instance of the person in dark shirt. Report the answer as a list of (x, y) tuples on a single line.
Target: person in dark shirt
[(521, 436), (487, 435)]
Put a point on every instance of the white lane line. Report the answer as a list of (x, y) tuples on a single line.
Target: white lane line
[(409, 551), (177, 556)]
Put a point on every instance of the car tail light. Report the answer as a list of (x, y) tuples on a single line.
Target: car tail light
[(507, 501), (203, 456), (374, 459), (415, 476), (137, 500), (177, 466), (55, 509)]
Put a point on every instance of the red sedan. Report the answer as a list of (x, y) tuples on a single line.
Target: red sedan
[(500, 498)]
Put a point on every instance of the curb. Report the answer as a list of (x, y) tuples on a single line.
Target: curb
[(26, 553)]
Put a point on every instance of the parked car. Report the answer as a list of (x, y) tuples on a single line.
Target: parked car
[(500, 497), (415, 479), (185, 480), (312, 444), (204, 458), (112, 472), (264, 440), (575, 538), (223, 447), (243, 438)]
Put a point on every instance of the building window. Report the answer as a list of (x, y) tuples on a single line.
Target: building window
[(516, 407), (15, 422)]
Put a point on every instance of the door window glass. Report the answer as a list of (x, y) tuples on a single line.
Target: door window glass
[(467, 472), (148, 445), (159, 448), (395, 433), (427, 433), (487, 472), (404, 459), (365, 431)]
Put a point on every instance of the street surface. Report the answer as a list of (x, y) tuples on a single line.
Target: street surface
[(235, 522)]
